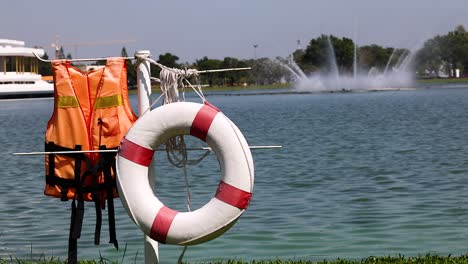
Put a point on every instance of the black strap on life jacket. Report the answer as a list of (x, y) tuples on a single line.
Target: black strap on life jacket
[(77, 212), (76, 223), (107, 161), (65, 184), (93, 190), (106, 164)]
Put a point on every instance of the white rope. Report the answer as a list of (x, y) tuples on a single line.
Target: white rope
[(198, 89), (189, 208), (184, 74), (179, 261), (171, 80), (151, 106)]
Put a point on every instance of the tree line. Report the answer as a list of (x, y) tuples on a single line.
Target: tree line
[(442, 53)]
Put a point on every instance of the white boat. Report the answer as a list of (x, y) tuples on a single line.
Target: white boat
[(19, 71)]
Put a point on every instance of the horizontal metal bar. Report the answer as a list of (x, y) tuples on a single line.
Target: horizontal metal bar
[(223, 70), (114, 150), (77, 60)]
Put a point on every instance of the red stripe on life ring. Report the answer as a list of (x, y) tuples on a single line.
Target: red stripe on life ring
[(135, 152), (161, 224), (233, 195), (202, 122)]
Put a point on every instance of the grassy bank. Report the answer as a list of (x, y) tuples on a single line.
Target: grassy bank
[(248, 87), (155, 88), (442, 81), (427, 259)]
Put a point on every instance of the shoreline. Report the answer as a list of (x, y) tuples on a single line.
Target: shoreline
[(442, 81), (419, 83)]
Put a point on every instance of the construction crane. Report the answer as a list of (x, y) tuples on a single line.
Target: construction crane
[(57, 45)]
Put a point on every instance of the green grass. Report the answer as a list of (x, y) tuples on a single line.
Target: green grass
[(427, 259), (441, 80), (249, 87), (156, 90), (52, 260)]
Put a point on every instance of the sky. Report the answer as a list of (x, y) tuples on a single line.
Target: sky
[(218, 28)]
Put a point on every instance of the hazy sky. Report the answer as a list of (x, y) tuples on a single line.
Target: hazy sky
[(217, 28)]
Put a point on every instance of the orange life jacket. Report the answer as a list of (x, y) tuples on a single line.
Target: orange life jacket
[(91, 112)]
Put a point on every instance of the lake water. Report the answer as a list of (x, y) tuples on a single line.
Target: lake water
[(359, 174)]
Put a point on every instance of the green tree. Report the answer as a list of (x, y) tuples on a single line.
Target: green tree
[(232, 77), (344, 53), (209, 64), (447, 52), (168, 60), (429, 58), (268, 71), (315, 55), (374, 56), (323, 52), (457, 50), (45, 68)]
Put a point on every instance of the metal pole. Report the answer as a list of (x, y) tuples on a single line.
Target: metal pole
[(143, 81), (114, 151), (144, 102)]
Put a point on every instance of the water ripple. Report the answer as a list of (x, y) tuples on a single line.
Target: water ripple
[(359, 174)]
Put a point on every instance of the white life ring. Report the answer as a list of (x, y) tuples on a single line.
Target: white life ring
[(237, 173)]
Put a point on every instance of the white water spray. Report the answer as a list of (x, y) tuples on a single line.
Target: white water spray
[(396, 76)]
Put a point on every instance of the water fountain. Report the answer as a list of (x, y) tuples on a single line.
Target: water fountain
[(395, 76)]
